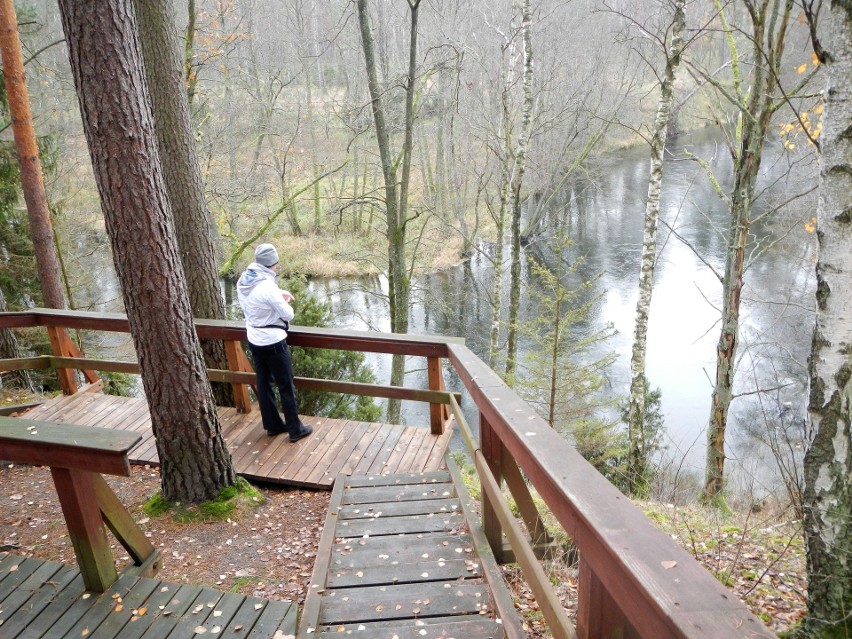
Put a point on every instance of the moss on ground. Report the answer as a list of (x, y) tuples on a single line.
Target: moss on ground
[(231, 502)]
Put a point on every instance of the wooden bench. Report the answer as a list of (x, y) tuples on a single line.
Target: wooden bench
[(77, 457)]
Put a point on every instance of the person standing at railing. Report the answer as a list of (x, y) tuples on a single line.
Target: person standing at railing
[(268, 314)]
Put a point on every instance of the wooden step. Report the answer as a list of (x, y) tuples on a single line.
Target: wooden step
[(403, 555)]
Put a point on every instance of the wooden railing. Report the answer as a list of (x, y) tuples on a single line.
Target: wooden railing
[(634, 581), (67, 357)]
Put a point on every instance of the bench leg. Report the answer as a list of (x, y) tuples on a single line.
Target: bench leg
[(76, 490)]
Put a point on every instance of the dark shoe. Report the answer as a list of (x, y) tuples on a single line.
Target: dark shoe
[(306, 430), (273, 433)]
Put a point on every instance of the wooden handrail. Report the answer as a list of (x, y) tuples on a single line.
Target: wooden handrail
[(634, 580), (240, 375), (661, 590)]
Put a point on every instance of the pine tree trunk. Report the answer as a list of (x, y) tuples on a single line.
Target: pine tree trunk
[(106, 61), (32, 180), (179, 159), (637, 459), (828, 460)]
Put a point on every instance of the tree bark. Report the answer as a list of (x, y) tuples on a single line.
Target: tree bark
[(9, 349), (517, 182), (162, 55), (106, 61), (396, 199), (827, 497), (638, 458), (32, 180), (756, 108)]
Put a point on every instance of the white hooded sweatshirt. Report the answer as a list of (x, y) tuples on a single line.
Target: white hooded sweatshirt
[(263, 305)]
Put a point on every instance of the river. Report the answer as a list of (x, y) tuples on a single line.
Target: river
[(603, 212)]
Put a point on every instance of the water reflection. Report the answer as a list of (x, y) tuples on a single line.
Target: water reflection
[(603, 215)]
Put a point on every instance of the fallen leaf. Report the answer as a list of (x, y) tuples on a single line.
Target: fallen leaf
[(668, 565), (200, 630)]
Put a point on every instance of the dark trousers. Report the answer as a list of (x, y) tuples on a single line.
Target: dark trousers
[(273, 368)]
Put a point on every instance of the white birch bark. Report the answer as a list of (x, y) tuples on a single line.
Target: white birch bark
[(637, 461), (517, 182), (828, 461)]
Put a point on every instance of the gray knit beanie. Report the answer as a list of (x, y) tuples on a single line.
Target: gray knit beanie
[(266, 255)]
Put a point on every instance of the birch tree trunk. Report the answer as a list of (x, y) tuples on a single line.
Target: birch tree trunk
[(106, 61), (32, 179), (756, 106), (827, 498), (162, 55), (637, 459), (517, 182)]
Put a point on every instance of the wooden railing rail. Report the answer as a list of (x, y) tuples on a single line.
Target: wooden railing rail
[(548, 603), (240, 373), (634, 580), (77, 456)]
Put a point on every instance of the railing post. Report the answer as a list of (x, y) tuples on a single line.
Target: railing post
[(438, 413), (598, 615), (59, 344), (238, 362), (492, 450)]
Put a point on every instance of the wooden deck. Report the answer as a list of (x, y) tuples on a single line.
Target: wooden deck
[(397, 558), (46, 599), (336, 447)]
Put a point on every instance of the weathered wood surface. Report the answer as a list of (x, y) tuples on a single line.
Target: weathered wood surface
[(337, 446), (67, 446), (396, 559), (46, 599)]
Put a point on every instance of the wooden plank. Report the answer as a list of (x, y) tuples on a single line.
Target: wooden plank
[(300, 452), (380, 462), (376, 446), (375, 603), (16, 596), (65, 446), (201, 609), (121, 624), (399, 493), (410, 458), (359, 450), (221, 614), (46, 598), (275, 615), (372, 575), (94, 611), (396, 509), (373, 551), (434, 628), (184, 600), (435, 460), (332, 465), (434, 477), (407, 524), (66, 603), (116, 606), (392, 462), (322, 564), (335, 433), (17, 571)]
